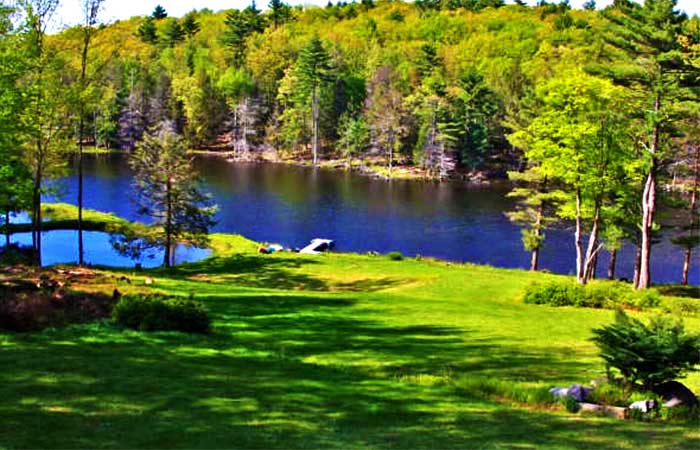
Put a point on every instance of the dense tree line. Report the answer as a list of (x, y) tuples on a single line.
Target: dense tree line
[(591, 112)]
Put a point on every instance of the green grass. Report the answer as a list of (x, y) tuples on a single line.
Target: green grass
[(326, 351)]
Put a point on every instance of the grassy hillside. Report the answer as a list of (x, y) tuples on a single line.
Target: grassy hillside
[(328, 351)]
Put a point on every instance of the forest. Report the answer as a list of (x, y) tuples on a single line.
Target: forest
[(591, 113)]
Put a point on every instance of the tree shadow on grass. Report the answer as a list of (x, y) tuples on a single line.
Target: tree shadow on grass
[(279, 372), (271, 272)]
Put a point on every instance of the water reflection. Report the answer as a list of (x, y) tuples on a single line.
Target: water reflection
[(61, 246), (292, 205)]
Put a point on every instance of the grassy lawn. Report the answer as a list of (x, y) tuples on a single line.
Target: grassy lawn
[(328, 351)]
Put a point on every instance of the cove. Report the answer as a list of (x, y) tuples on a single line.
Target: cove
[(61, 246), (291, 205)]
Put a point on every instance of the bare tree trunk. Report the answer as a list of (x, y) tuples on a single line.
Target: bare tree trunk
[(577, 240), (315, 114), (36, 219), (7, 229), (648, 207), (693, 203), (592, 249), (612, 264), (168, 224), (535, 257), (637, 262)]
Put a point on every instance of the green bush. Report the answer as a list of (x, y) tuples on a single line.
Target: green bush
[(648, 354), (395, 256), (553, 294), (160, 313), (610, 393), (592, 295), (570, 404), (680, 413)]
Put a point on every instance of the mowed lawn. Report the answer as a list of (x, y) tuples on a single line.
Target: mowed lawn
[(327, 351)]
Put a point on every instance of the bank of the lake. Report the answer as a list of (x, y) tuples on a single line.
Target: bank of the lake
[(335, 351), (291, 205)]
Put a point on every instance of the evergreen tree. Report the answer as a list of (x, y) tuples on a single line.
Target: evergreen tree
[(174, 34), (314, 68), (650, 36), (148, 32), (190, 26), (167, 191), (279, 12), (159, 13)]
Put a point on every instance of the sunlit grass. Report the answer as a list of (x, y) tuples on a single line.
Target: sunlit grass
[(326, 351)]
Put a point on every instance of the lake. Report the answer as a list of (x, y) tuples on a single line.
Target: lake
[(291, 205)]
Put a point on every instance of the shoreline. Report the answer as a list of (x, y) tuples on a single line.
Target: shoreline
[(370, 167)]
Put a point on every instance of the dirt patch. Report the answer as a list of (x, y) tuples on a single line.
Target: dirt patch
[(34, 299)]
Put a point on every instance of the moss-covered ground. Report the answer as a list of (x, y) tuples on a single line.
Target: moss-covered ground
[(319, 351)]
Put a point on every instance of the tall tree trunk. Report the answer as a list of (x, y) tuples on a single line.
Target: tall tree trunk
[(168, 223), (81, 133), (7, 229), (693, 203), (648, 207), (612, 264), (592, 248), (637, 262), (315, 114), (577, 240), (535, 257), (36, 207)]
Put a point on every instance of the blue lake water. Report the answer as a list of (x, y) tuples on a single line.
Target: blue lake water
[(61, 246), (292, 205)]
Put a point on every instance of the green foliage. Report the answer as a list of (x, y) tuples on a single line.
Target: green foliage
[(395, 256), (648, 354), (159, 13), (167, 190), (570, 404), (161, 313), (680, 413), (173, 33), (593, 295), (148, 32)]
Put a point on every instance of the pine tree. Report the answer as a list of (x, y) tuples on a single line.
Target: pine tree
[(159, 13), (650, 36), (174, 34), (167, 191), (190, 26), (148, 32), (314, 68)]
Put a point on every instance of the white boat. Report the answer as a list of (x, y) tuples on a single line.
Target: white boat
[(317, 246)]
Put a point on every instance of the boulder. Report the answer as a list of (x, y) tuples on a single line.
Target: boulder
[(674, 393)]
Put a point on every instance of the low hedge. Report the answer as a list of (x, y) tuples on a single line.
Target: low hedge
[(592, 295), (161, 313)]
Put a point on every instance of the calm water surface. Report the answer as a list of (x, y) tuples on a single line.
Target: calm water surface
[(292, 205)]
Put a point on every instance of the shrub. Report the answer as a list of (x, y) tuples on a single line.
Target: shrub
[(680, 413), (156, 312), (570, 404), (553, 293), (610, 393), (592, 295), (648, 354), (395, 256)]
